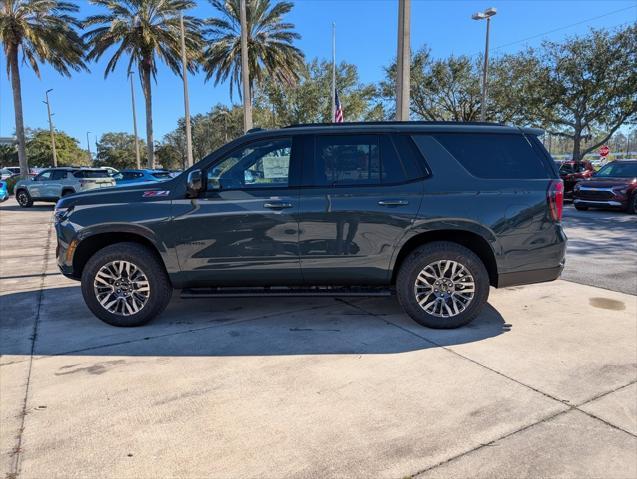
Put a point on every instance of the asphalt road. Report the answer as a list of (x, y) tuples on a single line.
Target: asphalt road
[(602, 249)]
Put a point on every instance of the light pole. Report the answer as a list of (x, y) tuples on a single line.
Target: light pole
[(88, 145), (132, 96), (48, 109), (403, 59), (184, 63), (487, 14)]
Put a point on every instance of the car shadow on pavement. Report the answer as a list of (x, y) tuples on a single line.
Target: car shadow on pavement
[(228, 327), (37, 207)]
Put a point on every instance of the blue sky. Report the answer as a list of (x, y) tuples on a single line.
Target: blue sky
[(366, 36)]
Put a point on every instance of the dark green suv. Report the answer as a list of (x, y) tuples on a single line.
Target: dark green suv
[(435, 212)]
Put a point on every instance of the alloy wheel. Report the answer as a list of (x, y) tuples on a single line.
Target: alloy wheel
[(121, 287), (444, 288)]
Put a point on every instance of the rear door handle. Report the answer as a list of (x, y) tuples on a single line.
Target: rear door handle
[(393, 203), (277, 205)]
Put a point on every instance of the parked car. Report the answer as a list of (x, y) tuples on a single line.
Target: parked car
[(129, 177), (573, 171), (4, 192), (613, 186), (53, 183), (435, 212), (5, 173)]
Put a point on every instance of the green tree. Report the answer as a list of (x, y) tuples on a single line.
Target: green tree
[(310, 101), (144, 30), (583, 89), (209, 132), (117, 150), (169, 156), (69, 153), (43, 31), (8, 155), (440, 90), (270, 44)]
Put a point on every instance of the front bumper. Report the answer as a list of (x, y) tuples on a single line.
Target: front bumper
[(599, 203)]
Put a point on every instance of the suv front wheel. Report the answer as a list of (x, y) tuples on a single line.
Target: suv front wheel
[(24, 199), (124, 284), (442, 285)]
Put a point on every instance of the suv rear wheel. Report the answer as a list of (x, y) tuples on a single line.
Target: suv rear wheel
[(24, 198), (442, 285), (125, 285)]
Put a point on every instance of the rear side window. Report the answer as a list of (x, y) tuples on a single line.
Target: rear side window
[(496, 156), (356, 160), (91, 174)]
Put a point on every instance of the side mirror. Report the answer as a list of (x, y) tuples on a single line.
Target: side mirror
[(194, 184)]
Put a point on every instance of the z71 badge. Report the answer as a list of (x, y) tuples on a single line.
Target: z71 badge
[(152, 194)]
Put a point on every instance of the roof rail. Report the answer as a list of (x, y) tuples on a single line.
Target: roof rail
[(394, 123), (254, 130)]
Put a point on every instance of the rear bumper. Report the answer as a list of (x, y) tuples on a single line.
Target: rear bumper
[(529, 277)]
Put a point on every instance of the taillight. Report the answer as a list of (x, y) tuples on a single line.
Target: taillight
[(555, 199)]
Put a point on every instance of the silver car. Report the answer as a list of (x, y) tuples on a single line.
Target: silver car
[(53, 183)]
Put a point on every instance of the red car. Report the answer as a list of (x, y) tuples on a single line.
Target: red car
[(614, 186), (573, 171)]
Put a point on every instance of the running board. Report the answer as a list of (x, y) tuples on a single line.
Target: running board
[(327, 291)]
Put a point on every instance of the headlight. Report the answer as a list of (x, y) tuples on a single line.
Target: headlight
[(620, 189)]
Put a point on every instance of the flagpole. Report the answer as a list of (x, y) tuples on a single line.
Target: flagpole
[(333, 72)]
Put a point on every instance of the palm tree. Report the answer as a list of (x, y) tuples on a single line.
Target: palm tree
[(144, 29), (270, 49), (44, 31)]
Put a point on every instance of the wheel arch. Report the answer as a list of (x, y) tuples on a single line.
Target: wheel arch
[(89, 245), (469, 239)]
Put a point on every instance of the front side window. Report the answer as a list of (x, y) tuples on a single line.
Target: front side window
[(262, 164), (45, 175)]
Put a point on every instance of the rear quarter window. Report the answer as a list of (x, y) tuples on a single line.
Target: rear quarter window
[(495, 156)]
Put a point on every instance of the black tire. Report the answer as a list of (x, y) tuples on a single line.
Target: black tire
[(67, 192), (632, 204), (160, 289), (427, 254), (24, 198), (581, 208)]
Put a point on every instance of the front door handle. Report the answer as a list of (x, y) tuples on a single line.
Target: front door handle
[(393, 203), (277, 205)]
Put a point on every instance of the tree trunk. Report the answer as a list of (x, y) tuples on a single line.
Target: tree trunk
[(17, 107), (577, 148), (146, 86)]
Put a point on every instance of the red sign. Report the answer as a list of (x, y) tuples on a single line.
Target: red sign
[(604, 151)]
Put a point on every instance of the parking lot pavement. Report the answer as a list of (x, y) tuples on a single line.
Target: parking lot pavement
[(543, 383), (602, 249)]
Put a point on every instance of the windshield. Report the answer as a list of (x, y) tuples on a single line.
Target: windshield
[(618, 170)]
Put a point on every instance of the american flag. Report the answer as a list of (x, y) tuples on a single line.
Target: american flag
[(338, 112)]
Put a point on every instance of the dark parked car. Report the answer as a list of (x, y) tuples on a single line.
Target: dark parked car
[(435, 212), (613, 186), (573, 171)]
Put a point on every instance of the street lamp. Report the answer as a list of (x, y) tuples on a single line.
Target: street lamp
[(48, 109), (487, 14)]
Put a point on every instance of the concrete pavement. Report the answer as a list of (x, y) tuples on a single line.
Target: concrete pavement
[(543, 383)]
